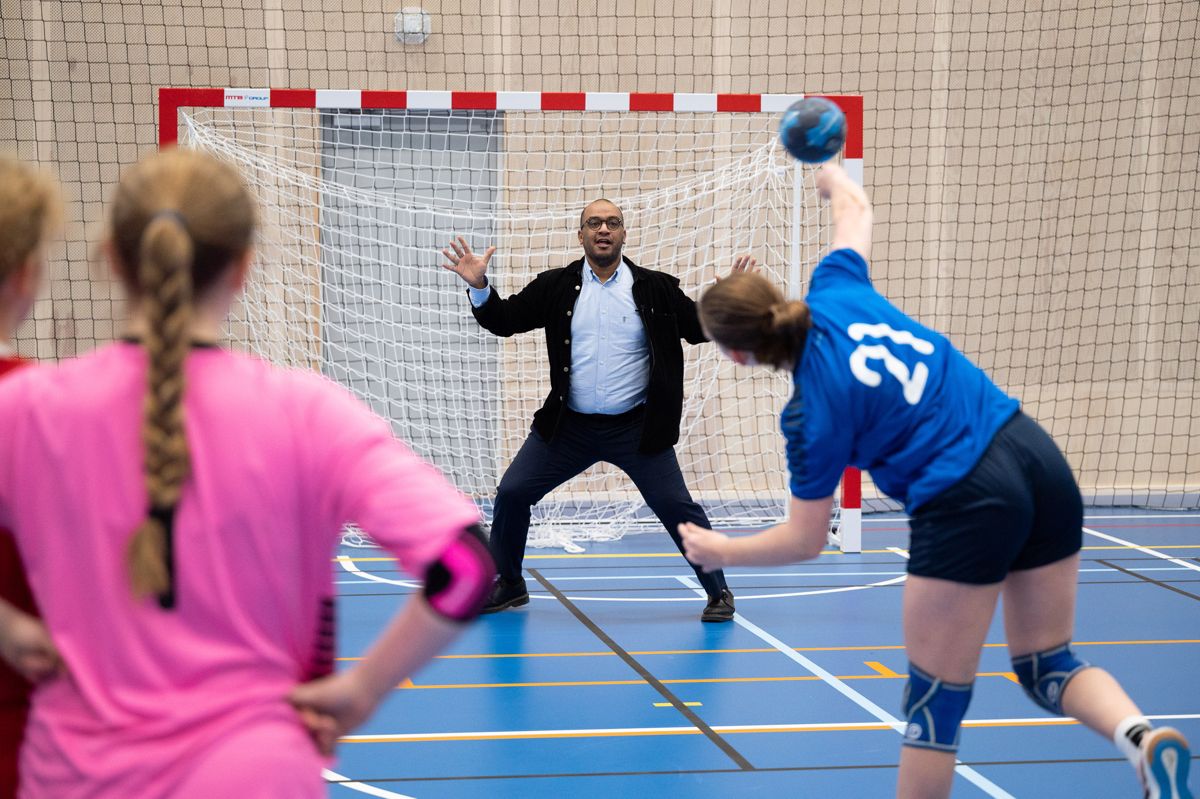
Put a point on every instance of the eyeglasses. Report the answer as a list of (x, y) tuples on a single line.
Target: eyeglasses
[(613, 222)]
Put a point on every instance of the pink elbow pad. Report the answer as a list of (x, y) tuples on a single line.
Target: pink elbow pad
[(458, 582)]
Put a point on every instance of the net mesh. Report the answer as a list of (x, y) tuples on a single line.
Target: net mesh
[(1033, 166), (358, 204)]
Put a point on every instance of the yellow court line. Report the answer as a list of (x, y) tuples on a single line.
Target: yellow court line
[(763, 650), (723, 730), (884, 674), (682, 680), (882, 669), (685, 704), (623, 555), (516, 736)]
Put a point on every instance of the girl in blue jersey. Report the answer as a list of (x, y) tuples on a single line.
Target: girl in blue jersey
[(994, 506)]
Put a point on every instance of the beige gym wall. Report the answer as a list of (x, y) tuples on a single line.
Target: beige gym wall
[(1033, 170)]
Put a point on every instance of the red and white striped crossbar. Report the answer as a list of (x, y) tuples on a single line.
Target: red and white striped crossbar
[(171, 99)]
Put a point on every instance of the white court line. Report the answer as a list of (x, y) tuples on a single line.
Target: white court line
[(728, 729), (369, 577), (1146, 550), (558, 580), (1166, 514), (784, 595), (968, 773), (361, 787), (349, 565), (1137, 570)]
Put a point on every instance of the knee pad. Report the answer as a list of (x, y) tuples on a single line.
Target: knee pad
[(934, 710), (1044, 675)]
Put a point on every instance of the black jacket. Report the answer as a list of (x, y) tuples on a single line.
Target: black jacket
[(667, 314)]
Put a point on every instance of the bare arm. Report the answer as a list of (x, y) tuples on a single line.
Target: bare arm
[(333, 706), (801, 537), (852, 215)]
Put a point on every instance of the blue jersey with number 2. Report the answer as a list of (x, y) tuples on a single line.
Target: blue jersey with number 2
[(876, 390)]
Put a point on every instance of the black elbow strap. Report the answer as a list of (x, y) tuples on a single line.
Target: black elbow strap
[(457, 583)]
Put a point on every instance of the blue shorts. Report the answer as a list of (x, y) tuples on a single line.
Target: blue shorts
[(1019, 508)]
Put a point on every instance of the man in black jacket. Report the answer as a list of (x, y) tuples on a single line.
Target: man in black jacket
[(613, 333)]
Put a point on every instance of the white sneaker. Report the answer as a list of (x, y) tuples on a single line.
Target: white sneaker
[(1166, 760)]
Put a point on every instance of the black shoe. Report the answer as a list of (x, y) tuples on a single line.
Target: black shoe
[(506, 594), (719, 608)]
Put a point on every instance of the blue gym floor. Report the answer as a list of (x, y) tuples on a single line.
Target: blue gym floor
[(608, 685)]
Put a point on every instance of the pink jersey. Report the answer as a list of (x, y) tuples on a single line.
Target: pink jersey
[(280, 461)]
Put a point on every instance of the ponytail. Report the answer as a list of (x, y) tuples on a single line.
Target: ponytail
[(785, 333), (747, 312)]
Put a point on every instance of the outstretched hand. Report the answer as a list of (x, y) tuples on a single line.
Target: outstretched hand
[(26, 646), (703, 547), (468, 265), (742, 263)]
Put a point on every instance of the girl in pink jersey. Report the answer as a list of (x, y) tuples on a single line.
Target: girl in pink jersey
[(176, 505), (29, 211)]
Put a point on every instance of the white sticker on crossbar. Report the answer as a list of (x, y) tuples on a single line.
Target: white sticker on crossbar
[(695, 102), (519, 101), (339, 98), (607, 101), (247, 98), (773, 103), (431, 101)]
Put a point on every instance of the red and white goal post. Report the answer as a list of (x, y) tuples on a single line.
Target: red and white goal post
[(360, 190)]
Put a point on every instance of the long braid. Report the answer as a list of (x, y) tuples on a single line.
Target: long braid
[(180, 221), (164, 274)]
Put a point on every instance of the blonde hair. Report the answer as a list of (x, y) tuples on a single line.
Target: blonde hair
[(30, 208), (180, 219), (747, 312)]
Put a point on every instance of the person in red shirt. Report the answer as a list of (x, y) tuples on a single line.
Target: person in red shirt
[(29, 213)]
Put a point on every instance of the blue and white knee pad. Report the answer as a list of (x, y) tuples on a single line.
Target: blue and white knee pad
[(1044, 675), (934, 709)]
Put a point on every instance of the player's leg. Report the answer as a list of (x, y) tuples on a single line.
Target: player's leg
[(1039, 618), (539, 467), (962, 544), (660, 481), (945, 624)]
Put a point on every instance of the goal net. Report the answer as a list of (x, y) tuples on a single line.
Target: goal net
[(357, 203)]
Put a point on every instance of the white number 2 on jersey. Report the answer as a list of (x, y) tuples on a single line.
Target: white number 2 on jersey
[(914, 383)]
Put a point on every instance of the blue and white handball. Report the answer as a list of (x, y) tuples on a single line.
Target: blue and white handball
[(813, 129)]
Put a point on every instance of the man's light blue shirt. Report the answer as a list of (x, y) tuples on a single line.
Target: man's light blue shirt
[(610, 359)]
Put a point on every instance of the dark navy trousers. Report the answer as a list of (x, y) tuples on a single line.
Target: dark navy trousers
[(581, 441)]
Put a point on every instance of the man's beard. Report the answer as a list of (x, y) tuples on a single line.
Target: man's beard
[(604, 260)]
